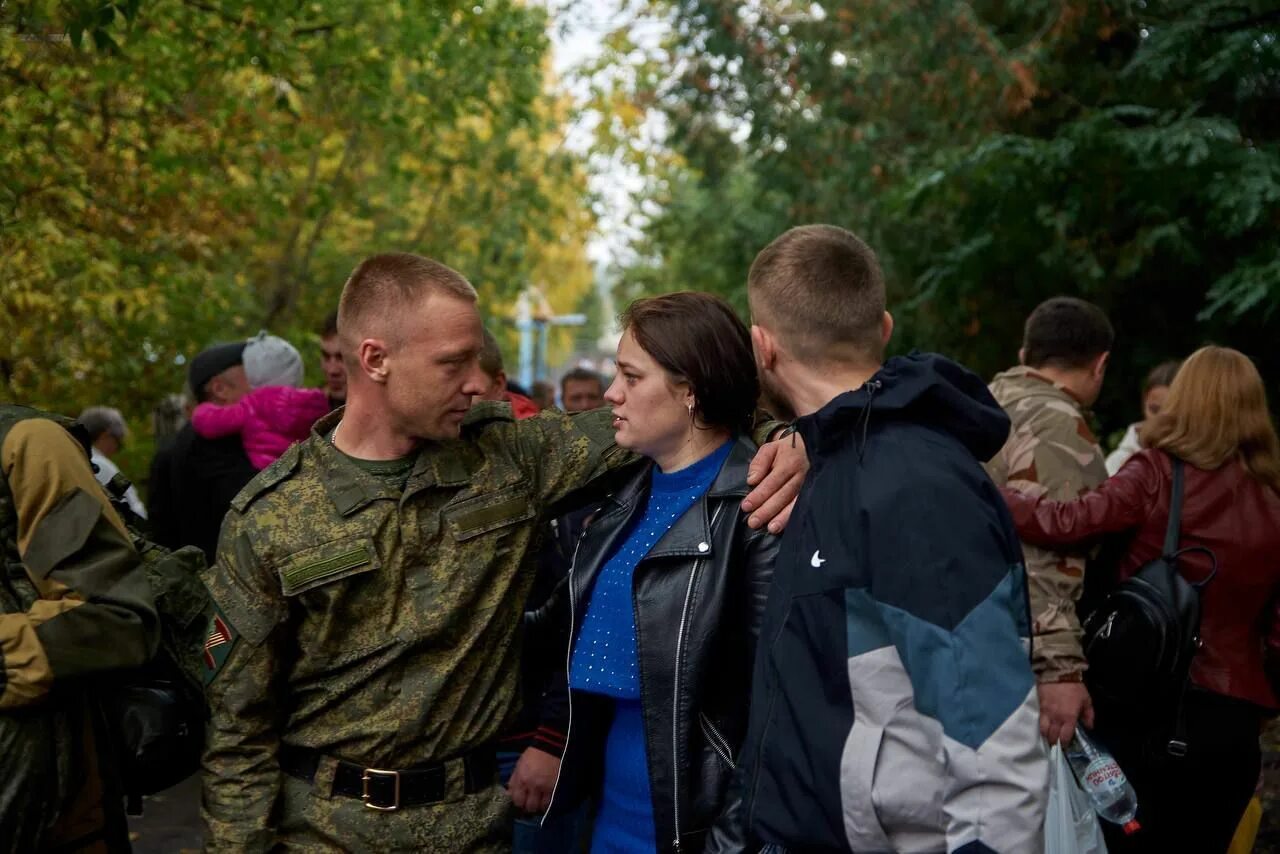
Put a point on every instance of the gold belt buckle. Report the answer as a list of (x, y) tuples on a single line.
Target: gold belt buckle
[(364, 793)]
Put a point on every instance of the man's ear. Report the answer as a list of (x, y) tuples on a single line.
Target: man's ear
[(886, 329), (1099, 368), (1022, 355), (765, 347), (372, 355)]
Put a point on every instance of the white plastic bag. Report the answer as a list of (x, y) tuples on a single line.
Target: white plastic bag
[(1070, 824)]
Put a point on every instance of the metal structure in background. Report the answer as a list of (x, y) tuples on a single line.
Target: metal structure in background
[(534, 317)]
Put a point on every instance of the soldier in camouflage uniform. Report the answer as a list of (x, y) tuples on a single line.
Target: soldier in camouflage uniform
[(74, 604), (363, 657), (1051, 451)]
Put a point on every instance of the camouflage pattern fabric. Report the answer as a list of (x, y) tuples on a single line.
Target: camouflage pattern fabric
[(74, 603), (1051, 451), (377, 626)]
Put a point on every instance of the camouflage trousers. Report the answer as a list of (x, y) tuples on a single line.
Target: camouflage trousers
[(312, 822)]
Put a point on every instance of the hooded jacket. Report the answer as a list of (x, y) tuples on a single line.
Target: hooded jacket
[(893, 704)]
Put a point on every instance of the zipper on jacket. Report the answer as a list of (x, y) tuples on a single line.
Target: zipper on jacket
[(675, 693), (717, 741), (568, 661)]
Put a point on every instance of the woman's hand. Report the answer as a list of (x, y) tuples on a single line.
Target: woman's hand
[(777, 473)]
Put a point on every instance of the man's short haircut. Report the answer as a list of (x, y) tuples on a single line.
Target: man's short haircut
[(820, 289), (383, 286), (103, 419), (1065, 333), (330, 326), (491, 356), (578, 375)]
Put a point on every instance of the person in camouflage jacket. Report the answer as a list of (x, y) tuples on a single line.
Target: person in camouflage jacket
[(363, 657), (74, 605), (1051, 451)]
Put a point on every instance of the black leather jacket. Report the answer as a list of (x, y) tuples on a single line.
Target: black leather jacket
[(699, 596)]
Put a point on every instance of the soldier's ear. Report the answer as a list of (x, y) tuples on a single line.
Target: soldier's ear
[(372, 355), (765, 347)]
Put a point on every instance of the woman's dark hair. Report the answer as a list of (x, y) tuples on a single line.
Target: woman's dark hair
[(698, 339)]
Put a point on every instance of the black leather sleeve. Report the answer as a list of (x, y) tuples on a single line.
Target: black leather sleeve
[(759, 551)]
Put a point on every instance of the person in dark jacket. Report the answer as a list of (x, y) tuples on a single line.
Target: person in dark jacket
[(1216, 420), (893, 705), (194, 479), (667, 589)]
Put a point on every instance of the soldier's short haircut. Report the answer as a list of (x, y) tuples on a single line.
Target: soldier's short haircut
[(819, 288), (581, 375), (103, 419), (491, 356), (380, 289), (1066, 333)]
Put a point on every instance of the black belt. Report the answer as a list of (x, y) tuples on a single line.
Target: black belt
[(382, 789)]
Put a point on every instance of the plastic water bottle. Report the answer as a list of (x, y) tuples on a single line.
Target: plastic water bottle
[(1103, 781)]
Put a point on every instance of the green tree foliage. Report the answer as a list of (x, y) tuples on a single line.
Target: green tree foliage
[(182, 171), (996, 153)]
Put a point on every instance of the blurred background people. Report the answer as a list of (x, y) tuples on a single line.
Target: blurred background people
[(107, 431), (1154, 391), (581, 389), (335, 372), (498, 387), (1215, 419), (275, 413), (193, 479)]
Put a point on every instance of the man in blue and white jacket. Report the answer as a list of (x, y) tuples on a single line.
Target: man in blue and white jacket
[(894, 706)]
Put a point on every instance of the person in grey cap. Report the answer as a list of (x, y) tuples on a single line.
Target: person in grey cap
[(276, 413), (193, 479), (107, 431)]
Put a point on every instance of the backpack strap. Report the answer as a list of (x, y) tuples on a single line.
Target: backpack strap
[(1173, 533), (1176, 746)]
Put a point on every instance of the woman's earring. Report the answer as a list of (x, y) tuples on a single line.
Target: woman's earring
[(690, 410)]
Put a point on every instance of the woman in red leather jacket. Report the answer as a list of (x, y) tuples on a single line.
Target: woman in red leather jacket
[(1216, 420)]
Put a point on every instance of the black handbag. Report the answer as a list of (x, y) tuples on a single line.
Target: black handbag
[(1140, 640)]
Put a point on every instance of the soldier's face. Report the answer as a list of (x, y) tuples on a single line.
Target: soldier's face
[(435, 370), (650, 411)]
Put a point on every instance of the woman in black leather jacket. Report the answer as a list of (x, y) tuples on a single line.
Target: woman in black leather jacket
[(666, 591)]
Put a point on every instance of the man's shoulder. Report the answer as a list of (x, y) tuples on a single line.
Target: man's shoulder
[(272, 480)]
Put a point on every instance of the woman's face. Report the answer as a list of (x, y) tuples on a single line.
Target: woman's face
[(650, 412), (1153, 402)]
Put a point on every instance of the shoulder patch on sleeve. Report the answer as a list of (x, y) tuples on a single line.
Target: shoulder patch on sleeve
[(218, 644), (268, 477)]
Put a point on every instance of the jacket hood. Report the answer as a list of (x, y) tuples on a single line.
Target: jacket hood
[(922, 388)]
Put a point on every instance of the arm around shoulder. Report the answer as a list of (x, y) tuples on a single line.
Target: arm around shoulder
[(1119, 503)]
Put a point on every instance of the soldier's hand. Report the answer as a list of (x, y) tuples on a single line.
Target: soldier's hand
[(777, 472), (533, 780), (1062, 704)]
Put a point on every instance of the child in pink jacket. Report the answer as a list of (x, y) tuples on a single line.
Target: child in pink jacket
[(276, 413)]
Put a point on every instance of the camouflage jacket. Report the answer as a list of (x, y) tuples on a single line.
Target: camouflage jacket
[(74, 604), (1051, 451), (371, 624)]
